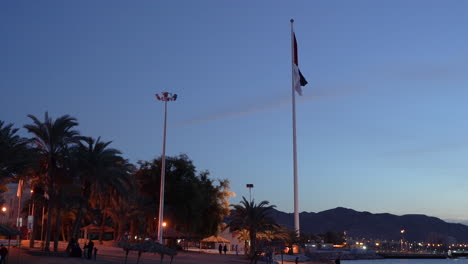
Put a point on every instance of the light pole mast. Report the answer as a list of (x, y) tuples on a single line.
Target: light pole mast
[(165, 97), (250, 186)]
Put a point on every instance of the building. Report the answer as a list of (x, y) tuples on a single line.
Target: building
[(9, 212)]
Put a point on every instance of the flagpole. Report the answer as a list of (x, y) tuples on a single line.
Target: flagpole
[(296, 200)]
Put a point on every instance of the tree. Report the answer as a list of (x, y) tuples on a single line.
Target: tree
[(99, 169), (53, 140), (15, 154), (194, 203), (252, 217)]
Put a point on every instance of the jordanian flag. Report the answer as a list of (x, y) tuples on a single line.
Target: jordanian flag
[(298, 79)]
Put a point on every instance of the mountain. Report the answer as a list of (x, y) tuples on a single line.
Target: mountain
[(385, 226)]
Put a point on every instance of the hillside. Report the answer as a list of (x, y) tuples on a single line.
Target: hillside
[(377, 226)]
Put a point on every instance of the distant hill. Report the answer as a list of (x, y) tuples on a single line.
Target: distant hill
[(377, 226)]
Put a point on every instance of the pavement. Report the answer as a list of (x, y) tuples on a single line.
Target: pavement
[(114, 255), (108, 254)]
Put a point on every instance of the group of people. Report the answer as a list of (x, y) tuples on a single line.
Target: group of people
[(89, 249), (221, 249), (74, 250)]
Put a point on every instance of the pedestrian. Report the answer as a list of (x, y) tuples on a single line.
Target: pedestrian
[(3, 254), (85, 250), (297, 260), (220, 248), (225, 249), (90, 249), (95, 253)]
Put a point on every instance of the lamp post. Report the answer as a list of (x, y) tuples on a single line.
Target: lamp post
[(4, 209), (250, 186), (165, 97), (402, 238)]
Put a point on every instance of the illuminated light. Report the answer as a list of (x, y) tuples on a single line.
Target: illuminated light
[(361, 243), (357, 243), (32, 191), (403, 231), (364, 247), (164, 224), (4, 209), (135, 237), (377, 244)]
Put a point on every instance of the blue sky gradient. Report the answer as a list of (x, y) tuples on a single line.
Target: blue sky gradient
[(381, 126)]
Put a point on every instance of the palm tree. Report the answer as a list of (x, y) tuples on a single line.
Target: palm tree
[(103, 174), (15, 155), (252, 217), (98, 166), (53, 139)]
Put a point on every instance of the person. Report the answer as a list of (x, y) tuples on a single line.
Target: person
[(95, 253), (220, 248), (297, 260), (337, 261), (225, 249), (90, 249), (237, 251), (85, 250), (3, 253)]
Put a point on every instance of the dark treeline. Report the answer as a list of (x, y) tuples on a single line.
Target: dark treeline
[(82, 180)]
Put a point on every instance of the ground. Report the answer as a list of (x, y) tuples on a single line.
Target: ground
[(114, 255)]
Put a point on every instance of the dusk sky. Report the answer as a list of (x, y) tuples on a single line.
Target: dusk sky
[(382, 125)]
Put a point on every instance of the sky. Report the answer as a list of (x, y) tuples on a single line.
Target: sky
[(381, 126)]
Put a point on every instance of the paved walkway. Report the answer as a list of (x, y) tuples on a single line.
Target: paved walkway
[(114, 255)]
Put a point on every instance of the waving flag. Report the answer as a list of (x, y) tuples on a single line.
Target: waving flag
[(298, 79)]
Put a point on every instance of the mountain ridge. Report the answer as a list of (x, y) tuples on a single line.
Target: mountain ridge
[(382, 226)]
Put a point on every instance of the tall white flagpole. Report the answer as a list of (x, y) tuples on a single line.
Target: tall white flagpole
[(296, 200)]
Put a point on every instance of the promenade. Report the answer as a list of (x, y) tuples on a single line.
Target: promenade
[(114, 255)]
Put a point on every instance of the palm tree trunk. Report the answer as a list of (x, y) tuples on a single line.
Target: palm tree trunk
[(34, 227), (103, 225), (50, 207), (63, 233), (253, 242), (58, 222), (76, 224)]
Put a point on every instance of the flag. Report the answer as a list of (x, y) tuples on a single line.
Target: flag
[(298, 79), (20, 188)]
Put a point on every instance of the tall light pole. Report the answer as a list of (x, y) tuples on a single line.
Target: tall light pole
[(165, 97), (4, 209), (402, 238), (250, 186)]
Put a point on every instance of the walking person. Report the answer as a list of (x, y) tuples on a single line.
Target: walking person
[(90, 249), (3, 254), (225, 249), (85, 250), (220, 249)]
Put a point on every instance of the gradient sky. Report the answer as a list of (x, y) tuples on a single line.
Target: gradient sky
[(382, 125)]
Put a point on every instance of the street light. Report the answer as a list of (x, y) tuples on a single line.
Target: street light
[(165, 97), (250, 186), (402, 238), (4, 209)]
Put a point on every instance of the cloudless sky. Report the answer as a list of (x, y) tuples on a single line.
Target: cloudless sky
[(382, 125)]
